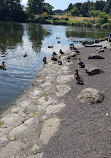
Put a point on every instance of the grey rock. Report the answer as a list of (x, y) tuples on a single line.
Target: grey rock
[(90, 95), (92, 70), (95, 56)]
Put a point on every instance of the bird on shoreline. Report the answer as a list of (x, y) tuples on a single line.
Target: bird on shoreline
[(61, 52), (78, 78), (81, 63), (44, 60), (54, 53), (2, 66)]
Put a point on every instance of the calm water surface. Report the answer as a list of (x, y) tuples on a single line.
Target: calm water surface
[(33, 39)]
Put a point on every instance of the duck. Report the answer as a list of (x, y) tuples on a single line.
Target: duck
[(81, 63), (61, 52), (54, 53), (58, 42), (77, 51), (3, 65), (25, 55), (53, 58), (78, 78), (57, 37), (44, 60), (59, 62), (69, 59), (50, 46)]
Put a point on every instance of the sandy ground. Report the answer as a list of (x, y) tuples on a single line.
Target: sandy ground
[(49, 121)]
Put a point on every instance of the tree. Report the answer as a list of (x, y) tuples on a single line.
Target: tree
[(47, 8), (103, 17), (94, 13), (70, 7), (99, 5), (35, 6), (75, 11)]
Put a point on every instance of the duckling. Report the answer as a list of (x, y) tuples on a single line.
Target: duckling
[(61, 52), (25, 55), (80, 62), (45, 60), (2, 66), (78, 78)]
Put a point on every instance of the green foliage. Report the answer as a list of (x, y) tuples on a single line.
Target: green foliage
[(103, 17), (106, 26)]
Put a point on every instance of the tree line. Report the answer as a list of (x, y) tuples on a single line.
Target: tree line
[(13, 10), (83, 9)]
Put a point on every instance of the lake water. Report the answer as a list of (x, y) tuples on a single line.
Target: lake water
[(33, 39)]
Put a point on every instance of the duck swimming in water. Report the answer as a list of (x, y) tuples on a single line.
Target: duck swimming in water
[(81, 63), (25, 55), (2, 66), (78, 78)]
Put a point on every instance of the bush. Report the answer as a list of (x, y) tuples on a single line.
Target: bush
[(106, 26), (97, 25), (48, 21)]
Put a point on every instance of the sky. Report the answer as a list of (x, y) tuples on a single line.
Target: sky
[(60, 4)]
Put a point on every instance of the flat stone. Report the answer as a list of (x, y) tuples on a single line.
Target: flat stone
[(95, 56), (64, 78), (10, 149), (92, 70), (49, 128), (90, 95), (53, 109), (62, 90)]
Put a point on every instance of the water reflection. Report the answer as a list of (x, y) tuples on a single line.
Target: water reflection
[(36, 35), (10, 35), (83, 33)]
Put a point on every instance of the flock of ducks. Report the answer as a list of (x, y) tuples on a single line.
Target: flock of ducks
[(57, 59)]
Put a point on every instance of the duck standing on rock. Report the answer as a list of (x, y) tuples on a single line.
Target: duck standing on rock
[(45, 60), (61, 52), (81, 63), (78, 78)]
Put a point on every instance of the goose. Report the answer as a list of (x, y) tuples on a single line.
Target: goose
[(25, 55), (44, 60), (61, 52), (2, 66), (81, 63), (78, 78)]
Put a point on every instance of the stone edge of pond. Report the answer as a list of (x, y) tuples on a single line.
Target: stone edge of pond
[(32, 120)]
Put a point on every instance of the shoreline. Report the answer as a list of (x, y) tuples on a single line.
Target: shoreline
[(29, 124)]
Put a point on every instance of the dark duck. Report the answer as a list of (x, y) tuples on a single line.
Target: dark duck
[(81, 63), (78, 78), (61, 52), (3, 66), (25, 55), (44, 60)]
